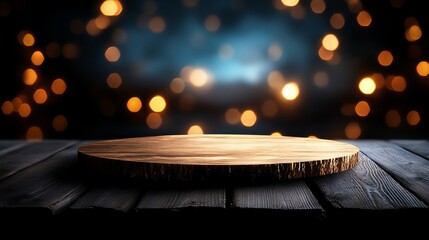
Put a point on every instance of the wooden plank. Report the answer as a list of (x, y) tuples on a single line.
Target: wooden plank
[(10, 145), (291, 195), (410, 170), (30, 154), (52, 184), (183, 197), (419, 147), (218, 157), (366, 186), (109, 195)]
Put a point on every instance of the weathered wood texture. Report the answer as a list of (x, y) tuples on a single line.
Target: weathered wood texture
[(19, 159), (206, 157), (8, 146), (419, 147), (410, 170), (286, 196), (121, 197), (52, 183), (183, 197), (366, 186)]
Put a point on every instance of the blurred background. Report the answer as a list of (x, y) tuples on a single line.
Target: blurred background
[(113, 69)]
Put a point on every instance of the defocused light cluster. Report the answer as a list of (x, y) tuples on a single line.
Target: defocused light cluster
[(378, 94)]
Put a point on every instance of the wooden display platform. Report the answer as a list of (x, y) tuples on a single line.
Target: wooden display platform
[(218, 157)]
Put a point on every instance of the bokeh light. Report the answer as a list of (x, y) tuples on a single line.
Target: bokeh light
[(248, 118), (359, 68), (37, 58), (367, 85), (34, 133), (134, 104), (290, 91), (154, 120), (40, 96), (157, 103), (58, 86), (59, 123), (195, 129), (29, 77), (330, 42)]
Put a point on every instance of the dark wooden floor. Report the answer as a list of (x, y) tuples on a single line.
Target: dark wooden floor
[(44, 180)]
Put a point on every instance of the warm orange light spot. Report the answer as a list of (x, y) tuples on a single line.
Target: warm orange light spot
[(92, 28), (114, 80), (58, 86), (423, 68), (29, 77), (112, 54), (362, 109), (157, 103), (59, 123), (134, 104), (102, 22), (318, 6), (393, 118), (17, 102), (290, 3), (212, 23), (413, 118), (28, 40), (40, 96), (195, 129), (325, 54), (276, 80), (34, 133), (353, 130), (290, 91), (154, 120), (7, 107), (398, 84), (248, 118), (330, 42), (385, 58), (37, 58), (312, 136), (157, 24), (111, 8), (337, 21), (24, 110), (198, 77), (276, 134), (364, 18), (367, 85), (413, 33), (232, 116), (177, 85), (321, 79), (269, 108)]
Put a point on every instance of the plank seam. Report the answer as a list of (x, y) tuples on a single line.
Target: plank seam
[(409, 150), (71, 144)]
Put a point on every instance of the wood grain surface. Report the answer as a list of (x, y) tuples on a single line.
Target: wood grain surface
[(205, 157)]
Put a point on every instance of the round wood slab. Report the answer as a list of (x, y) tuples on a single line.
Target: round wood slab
[(218, 157)]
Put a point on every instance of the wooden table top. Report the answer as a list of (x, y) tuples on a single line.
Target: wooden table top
[(391, 182)]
